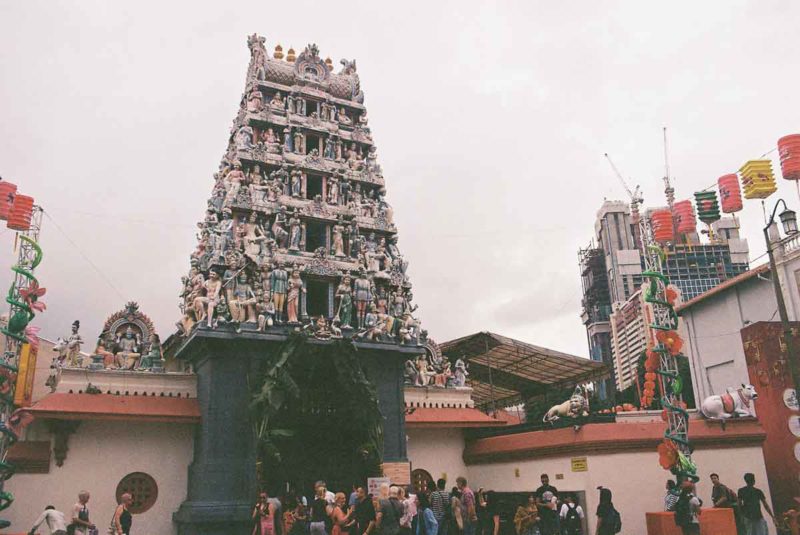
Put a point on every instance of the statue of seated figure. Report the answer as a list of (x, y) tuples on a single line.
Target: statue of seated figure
[(128, 350), (153, 358)]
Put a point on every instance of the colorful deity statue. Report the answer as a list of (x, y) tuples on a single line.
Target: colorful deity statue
[(279, 284), (344, 310), (128, 349), (296, 288)]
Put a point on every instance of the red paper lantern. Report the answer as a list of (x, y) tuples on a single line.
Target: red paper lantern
[(789, 150), (662, 225), (19, 218), (685, 221), (730, 193), (7, 193)]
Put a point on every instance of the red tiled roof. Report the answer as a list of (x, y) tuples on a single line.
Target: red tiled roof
[(510, 418), (110, 407), (608, 438), (450, 417), (763, 268)]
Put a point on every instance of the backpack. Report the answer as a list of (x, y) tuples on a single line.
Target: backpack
[(615, 521), (572, 519), (683, 514)]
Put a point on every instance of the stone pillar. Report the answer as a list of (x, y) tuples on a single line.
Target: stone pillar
[(222, 477)]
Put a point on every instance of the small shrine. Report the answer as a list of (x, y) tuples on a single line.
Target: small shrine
[(128, 341)]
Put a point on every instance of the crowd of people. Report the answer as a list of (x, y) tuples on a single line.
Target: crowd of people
[(746, 505), (435, 510), (78, 522)]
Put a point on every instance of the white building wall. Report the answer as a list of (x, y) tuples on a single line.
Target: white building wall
[(635, 479), (438, 451), (711, 332), (106, 452)]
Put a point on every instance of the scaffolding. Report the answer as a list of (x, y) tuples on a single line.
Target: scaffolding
[(20, 314)]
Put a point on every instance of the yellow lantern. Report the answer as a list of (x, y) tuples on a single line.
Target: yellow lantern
[(758, 180)]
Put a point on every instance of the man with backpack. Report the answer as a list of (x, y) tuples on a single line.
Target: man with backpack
[(571, 517), (387, 517), (687, 510), (723, 496)]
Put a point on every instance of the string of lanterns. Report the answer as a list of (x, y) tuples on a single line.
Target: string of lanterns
[(23, 216)]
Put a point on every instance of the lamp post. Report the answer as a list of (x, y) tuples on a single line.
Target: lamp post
[(789, 220)]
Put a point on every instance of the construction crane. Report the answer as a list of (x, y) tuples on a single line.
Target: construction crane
[(669, 191), (635, 195)]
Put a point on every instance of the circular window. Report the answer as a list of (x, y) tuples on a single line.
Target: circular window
[(142, 487)]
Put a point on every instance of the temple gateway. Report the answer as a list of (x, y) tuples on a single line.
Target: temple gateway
[(299, 355)]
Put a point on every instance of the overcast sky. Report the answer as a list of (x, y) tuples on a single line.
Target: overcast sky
[(491, 121)]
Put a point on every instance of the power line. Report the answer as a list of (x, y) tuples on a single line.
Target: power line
[(86, 258)]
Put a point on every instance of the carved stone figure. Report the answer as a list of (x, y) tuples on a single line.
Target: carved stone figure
[(296, 287), (153, 359), (338, 239), (288, 145), (295, 233), (243, 301), (410, 374), (244, 138), (235, 180), (343, 118), (460, 374), (344, 310), (279, 230), (73, 346), (204, 305), (732, 404), (271, 141), (299, 144), (266, 312), (297, 183), (577, 405), (444, 375), (330, 148), (255, 100), (128, 349), (279, 282), (354, 158), (277, 102), (363, 293), (333, 191)]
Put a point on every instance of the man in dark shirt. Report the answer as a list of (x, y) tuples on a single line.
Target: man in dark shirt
[(550, 518), (751, 500), (546, 486), (364, 513)]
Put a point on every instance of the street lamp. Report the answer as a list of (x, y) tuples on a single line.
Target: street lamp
[(789, 221)]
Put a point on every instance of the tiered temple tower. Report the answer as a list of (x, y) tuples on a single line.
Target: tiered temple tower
[(297, 236)]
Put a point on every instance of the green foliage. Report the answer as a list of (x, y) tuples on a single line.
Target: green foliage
[(312, 404)]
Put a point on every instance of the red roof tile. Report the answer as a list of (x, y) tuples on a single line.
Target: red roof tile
[(763, 268), (450, 417), (111, 407), (608, 438)]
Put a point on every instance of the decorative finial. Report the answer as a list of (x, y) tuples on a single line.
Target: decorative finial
[(278, 52), (290, 57)]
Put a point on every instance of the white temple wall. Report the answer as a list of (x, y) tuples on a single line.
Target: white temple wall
[(438, 451), (635, 478), (711, 331), (100, 454)]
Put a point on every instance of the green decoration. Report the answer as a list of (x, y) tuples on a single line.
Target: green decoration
[(314, 395), (707, 206)]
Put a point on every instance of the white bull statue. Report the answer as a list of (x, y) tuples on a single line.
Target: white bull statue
[(732, 404), (577, 405)]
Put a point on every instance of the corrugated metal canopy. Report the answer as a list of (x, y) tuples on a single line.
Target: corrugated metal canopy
[(506, 372)]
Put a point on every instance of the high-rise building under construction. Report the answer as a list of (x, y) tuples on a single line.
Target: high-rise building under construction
[(611, 273)]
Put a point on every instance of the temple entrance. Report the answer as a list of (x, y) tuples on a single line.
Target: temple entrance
[(326, 430)]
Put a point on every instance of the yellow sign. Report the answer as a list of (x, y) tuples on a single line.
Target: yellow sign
[(23, 395), (580, 464)]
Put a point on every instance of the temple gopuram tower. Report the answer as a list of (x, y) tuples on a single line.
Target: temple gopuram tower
[(297, 273)]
